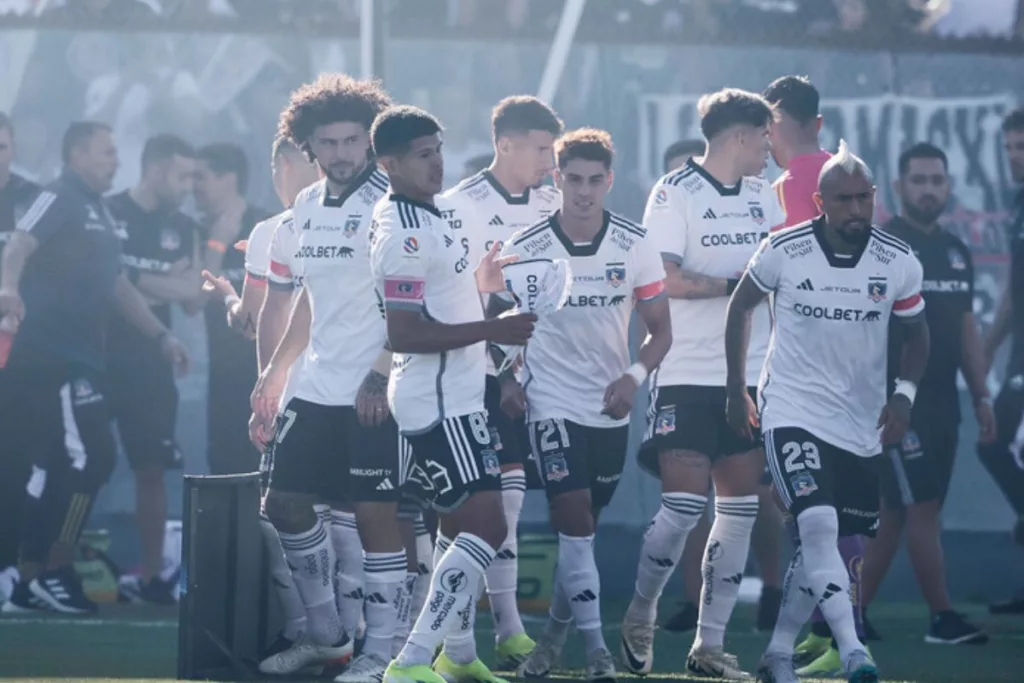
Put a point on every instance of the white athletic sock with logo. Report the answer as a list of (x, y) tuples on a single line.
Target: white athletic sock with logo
[(308, 554), (578, 572), (559, 613), (403, 607), (384, 575), (725, 558), (503, 574), (349, 570), (663, 546), (454, 589), (798, 603), (417, 584), (293, 609)]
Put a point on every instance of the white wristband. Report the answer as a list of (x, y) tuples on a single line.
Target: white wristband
[(637, 371), (230, 300), (908, 389)]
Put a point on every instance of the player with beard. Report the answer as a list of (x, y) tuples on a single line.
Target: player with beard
[(1004, 458), (917, 476), (836, 283)]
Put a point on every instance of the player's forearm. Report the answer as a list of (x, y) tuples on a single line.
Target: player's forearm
[(293, 336), (916, 346), (132, 305), (12, 262), (1000, 327), (170, 288), (972, 361), (411, 332), (655, 347), (741, 307), (246, 311), (686, 284)]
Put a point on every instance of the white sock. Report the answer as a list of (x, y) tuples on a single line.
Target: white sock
[(404, 609), (441, 545), (503, 574), (323, 513), (349, 574), (578, 572), (454, 585), (725, 558), (284, 584), (663, 546), (797, 604), (384, 575), (309, 555), (559, 612), (460, 644), (417, 585), (827, 575)]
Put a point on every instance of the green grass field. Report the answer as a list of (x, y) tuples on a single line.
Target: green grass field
[(139, 644)]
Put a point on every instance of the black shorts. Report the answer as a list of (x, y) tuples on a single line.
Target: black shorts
[(691, 418), (145, 407), (323, 451), (920, 468), (509, 436), (572, 457), (809, 472), (455, 459), (1004, 458)]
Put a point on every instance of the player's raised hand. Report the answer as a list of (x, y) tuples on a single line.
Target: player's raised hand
[(372, 400), (216, 284), (513, 329), (260, 432), (618, 397), (513, 398), (740, 412), (266, 396), (489, 278), (895, 419)]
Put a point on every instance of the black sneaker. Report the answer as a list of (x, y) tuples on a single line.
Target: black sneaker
[(22, 600), (950, 628), (768, 608), (156, 591), (684, 620), (61, 590), (1014, 605)]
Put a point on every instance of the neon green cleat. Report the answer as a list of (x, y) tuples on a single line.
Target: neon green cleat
[(810, 649), (828, 665), (474, 672), (420, 673), (513, 651)]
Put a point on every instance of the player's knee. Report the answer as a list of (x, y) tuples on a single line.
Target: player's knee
[(684, 471), (818, 527), (289, 512), (572, 513), (482, 515)]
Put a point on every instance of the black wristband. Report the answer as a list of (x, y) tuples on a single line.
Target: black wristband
[(730, 285)]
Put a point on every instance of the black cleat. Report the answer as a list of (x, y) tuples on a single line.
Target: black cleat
[(684, 620), (951, 628), (768, 608), (61, 590)]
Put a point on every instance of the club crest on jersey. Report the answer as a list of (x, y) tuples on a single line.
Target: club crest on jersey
[(956, 260), (803, 484), (351, 226), (757, 213), (665, 422), (877, 289), (170, 239), (615, 274), (555, 467), (661, 197), (411, 245)]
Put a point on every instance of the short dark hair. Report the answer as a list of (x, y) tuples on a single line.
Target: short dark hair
[(796, 96), (681, 148), (6, 124), (225, 157), (1014, 120), (590, 144), (164, 147), (396, 127), (282, 145), (523, 113), (78, 134), (331, 98), (921, 150), (730, 107)]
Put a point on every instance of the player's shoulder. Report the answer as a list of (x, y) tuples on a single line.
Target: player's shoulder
[(684, 181), (793, 234), (756, 185), (378, 182), (887, 239), (311, 194), (268, 226), (476, 188), (398, 212), (624, 232), (546, 196), (530, 232)]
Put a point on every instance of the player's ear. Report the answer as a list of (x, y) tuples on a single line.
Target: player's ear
[(818, 202), (557, 175), (818, 121), (611, 180), (388, 163)]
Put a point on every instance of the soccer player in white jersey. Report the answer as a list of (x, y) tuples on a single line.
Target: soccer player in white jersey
[(334, 440), (487, 208), (578, 385), (707, 219), (835, 282), (437, 330)]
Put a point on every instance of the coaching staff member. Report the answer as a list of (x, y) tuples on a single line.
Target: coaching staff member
[(60, 281)]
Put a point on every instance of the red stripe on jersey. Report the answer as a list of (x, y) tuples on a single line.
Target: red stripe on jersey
[(280, 269), (908, 303), (649, 291), (404, 290), (255, 280)]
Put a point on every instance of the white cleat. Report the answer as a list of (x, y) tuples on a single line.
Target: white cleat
[(305, 655), (637, 646), (366, 668), (714, 663), (776, 667), (9, 578), (860, 668), (543, 660), (600, 667)]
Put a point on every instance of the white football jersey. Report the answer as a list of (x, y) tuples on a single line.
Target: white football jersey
[(257, 248), (826, 366), (482, 210), (713, 230), (576, 352), (327, 251), (420, 264)]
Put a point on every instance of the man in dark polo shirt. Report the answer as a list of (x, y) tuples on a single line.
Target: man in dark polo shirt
[(160, 256), (15, 191), (221, 181), (918, 470), (60, 281)]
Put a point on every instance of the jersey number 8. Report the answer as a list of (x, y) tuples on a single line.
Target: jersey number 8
[(793, 450)]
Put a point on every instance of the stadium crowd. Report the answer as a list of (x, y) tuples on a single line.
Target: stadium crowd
[(385, 344)]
